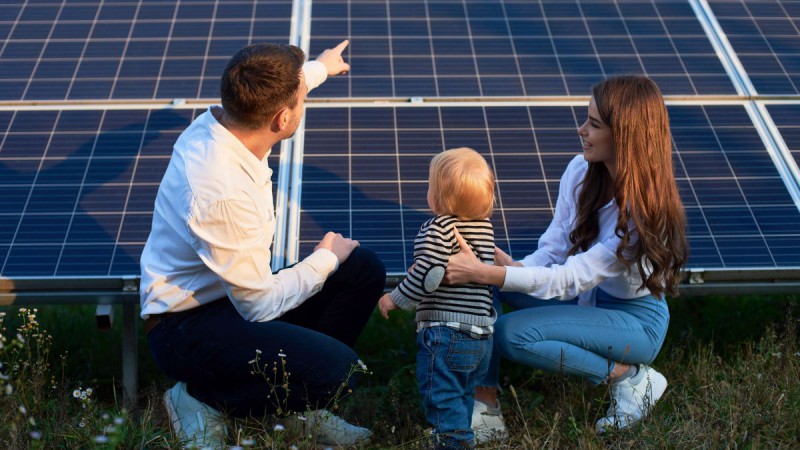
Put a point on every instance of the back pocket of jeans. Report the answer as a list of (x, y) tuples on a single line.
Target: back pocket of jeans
[(465, 353)]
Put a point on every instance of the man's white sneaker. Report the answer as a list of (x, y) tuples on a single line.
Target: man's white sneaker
[(487, 423), (196, 424), (328, 428), (632, 399)]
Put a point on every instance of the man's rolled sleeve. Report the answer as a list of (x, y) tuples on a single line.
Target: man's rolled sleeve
[(233, 241)]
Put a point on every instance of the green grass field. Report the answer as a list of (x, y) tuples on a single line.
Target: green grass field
[(733, 364)]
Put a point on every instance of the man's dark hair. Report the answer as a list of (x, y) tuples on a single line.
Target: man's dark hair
[(258, 81)]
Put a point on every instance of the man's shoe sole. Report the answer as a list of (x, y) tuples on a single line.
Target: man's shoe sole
[(172, 415)]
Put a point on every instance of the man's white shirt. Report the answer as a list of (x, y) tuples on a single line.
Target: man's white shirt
[(213, 225)]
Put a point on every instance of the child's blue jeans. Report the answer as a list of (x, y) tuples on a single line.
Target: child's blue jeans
[(450, 365)]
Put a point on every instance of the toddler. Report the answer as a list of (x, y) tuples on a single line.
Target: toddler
[(454, 323)]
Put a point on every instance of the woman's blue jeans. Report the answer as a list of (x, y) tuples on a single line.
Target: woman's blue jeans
[(560, 336)]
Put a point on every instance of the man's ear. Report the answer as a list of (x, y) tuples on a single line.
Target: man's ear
[(281, 119)]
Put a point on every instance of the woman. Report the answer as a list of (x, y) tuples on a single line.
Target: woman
[(615, 246)]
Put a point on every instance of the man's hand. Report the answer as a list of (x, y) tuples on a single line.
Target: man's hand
[(332, 59), (338, 244), (385, 304)]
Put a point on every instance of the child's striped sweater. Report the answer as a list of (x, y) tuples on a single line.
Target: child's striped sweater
[(422, 289)]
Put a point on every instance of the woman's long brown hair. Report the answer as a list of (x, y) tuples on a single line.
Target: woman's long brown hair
[(644, 187)]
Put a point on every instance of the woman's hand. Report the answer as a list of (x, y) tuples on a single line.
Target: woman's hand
[(464, 266), (502, 258)]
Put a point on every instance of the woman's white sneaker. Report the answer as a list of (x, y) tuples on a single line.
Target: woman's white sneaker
[(632, 399), (487, 422)]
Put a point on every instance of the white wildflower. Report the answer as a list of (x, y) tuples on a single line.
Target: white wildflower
[(248, 442), (76, 393), (363, 366), (118, 420), (9, 389), (23, 410), (36, 435), (101, 439), (279, 427)]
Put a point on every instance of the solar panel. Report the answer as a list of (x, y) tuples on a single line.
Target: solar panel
[(449, 48), (77, 188), (766, 38), (128, 50), (786, 119), (365, 174)]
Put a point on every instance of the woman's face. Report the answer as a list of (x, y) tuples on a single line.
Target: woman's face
[(598, 145)]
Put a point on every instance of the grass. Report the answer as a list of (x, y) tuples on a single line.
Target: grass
[(733, 364)]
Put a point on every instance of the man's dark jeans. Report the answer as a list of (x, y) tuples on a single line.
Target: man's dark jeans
[(212, 347)]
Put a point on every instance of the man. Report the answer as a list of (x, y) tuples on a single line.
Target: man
[(211, 303)]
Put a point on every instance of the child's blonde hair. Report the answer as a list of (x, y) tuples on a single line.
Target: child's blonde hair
[(461, 184)]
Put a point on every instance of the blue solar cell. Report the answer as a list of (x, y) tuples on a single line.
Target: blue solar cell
[(89, 260), (785, 117), (24, 260), (95, 229), (126, 259)]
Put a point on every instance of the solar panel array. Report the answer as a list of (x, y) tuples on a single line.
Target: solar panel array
[(447, 48), (78, 179), (365, 173)]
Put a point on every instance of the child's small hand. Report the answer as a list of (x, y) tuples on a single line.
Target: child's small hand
[(385, 304)]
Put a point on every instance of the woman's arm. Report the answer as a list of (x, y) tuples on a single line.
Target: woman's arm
[(579, 273)]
